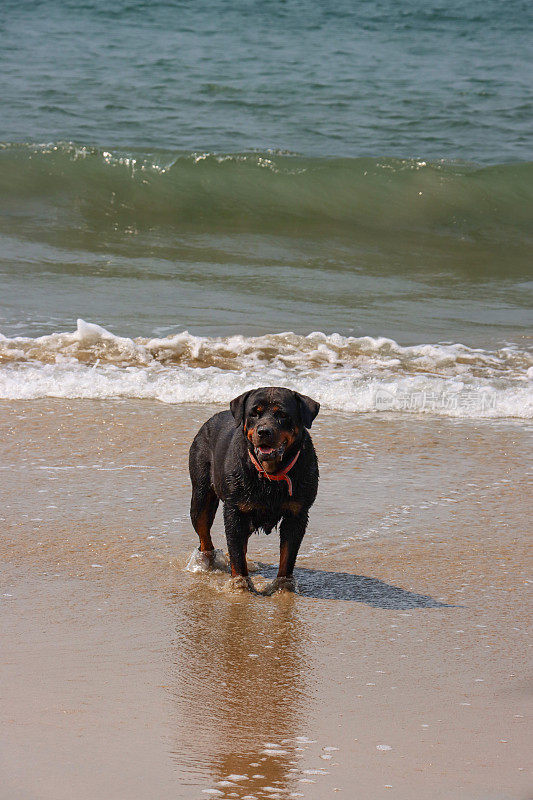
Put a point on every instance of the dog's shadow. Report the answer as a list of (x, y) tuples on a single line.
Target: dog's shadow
[(323, 585)]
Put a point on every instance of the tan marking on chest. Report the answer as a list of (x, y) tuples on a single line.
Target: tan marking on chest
[(247, 508), (292, 506)]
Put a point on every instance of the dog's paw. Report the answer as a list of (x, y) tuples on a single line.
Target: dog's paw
[(207, 561), (282, 585), (240, 583)]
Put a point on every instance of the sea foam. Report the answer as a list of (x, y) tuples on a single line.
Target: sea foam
[(350, 374)]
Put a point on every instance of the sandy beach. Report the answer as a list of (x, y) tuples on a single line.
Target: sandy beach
[(399, 669)]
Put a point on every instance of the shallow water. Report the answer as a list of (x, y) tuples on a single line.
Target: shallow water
[(400, 662)]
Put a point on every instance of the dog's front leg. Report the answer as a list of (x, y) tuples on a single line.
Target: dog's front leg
[(237, 528), (291, 533)]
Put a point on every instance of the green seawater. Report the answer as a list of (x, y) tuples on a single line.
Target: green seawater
[(252, 167)]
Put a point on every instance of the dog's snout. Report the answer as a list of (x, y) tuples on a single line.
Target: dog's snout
[(264, 432)]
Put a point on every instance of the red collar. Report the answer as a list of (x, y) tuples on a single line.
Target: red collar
[(276, 476)]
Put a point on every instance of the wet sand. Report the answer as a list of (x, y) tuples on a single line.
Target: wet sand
[(399, 670)]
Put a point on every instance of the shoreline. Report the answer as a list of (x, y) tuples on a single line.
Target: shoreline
[(400, 667)]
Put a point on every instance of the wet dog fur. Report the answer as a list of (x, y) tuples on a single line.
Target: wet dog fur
[(269, 425)]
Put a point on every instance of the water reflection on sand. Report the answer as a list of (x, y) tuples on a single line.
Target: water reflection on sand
[(241, 690)]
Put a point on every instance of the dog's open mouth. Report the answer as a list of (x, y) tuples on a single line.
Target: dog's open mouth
[(269, 453)]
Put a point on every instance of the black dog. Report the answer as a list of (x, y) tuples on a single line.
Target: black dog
[(260, 461)]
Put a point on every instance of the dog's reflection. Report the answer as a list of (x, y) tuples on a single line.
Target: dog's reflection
[(240, 692)]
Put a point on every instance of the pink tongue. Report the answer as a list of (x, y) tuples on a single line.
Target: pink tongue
[(266, 450)]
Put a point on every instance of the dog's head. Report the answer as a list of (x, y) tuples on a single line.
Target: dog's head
[(273, 419)]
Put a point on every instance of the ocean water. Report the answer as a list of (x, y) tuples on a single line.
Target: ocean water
[(197, 198)]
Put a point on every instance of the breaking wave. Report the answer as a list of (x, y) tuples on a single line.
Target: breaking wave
[(350, 374), (268, 191)]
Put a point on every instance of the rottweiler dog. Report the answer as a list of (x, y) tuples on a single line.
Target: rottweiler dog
[(258, 458)]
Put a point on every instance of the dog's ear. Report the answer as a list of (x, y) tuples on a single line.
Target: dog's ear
[(308, 409), (237, 407)]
